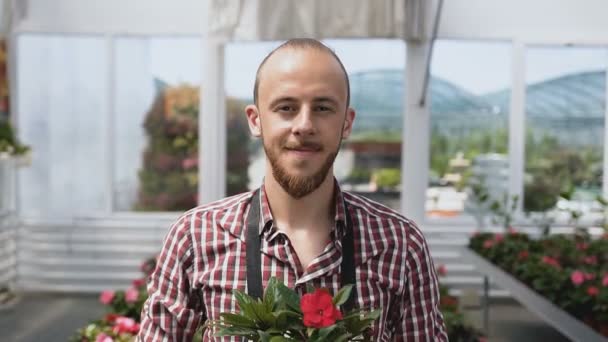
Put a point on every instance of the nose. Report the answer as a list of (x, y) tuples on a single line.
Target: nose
[(303, 124)]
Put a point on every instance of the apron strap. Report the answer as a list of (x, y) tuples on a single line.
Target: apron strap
[(254, 254)]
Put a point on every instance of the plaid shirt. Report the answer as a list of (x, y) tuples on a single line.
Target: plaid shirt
[(203, 260)]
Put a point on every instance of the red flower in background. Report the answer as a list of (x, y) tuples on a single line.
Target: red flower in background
[(139, 282), (499, 237), (488, 243), (106, 297), (523, 255), (442, 270), (590, 260), (605, 280), (577, 277), (103, 338), (551, 262), (319, 310), (131, 295), (125, 325), (593, 291)]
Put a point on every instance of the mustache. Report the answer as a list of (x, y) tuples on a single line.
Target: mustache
[(305, 145)]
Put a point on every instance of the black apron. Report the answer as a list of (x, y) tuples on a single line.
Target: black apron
[(254, 254)]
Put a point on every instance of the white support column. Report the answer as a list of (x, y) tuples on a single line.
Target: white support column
[(415, 134), (212, 123), (110, 129), (517, 123), (605, 173)]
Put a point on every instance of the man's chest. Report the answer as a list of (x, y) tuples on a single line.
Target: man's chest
[(226, 271)]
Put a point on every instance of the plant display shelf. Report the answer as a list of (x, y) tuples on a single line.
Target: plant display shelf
[(549, 312)]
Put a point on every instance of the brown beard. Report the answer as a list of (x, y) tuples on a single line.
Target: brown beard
[(296, 186)]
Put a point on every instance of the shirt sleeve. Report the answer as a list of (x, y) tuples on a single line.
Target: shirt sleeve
[(421, 318), (173, 310)]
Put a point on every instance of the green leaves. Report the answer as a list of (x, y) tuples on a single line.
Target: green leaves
[(278, 318), (343, 295)]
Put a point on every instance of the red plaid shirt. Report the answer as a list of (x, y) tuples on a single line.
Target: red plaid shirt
[(203, 260)]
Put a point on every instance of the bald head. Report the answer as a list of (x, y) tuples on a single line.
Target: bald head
[(300, 44)]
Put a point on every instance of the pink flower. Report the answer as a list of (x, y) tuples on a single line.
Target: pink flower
[(593, 291), (131, 295), (581, 246), (589, 276), (103, 338), (590, 260), (488, 243), (577, 277), (106, 297), (442, 270), (125, 325), (523, 255), (499, 237), (139, 282), (512, 231), (551, 261), (605, 280), (189, 163)]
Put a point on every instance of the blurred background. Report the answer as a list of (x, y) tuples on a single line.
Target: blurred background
[(472, 117)]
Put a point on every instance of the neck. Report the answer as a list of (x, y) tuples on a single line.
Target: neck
[(311, 212)]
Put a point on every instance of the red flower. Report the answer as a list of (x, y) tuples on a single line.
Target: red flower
[(319, 310), (577, 277), (589, 276), (551, 261), (106, 297), (442, 270), (499, 237), (125, 325), (488, 243), (605, 280), (111, 318), (581, 246), (139, 282), (590, 260), (593, 291), (103, 338), (523, 255), (131, 295)]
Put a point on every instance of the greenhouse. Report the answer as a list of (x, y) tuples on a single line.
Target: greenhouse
[(484, 122)]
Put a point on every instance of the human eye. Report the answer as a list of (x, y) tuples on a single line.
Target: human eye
[(323, 108), (285, 108)]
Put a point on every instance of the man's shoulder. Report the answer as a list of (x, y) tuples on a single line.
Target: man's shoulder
[(374, 209), (219, 210)]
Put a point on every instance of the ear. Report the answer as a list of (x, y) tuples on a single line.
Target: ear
[(253, 119), (348, 123)]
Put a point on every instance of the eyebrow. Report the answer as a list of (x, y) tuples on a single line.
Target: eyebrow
[(293, 99), (282, 99)]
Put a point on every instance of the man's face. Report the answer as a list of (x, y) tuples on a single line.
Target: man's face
[(301, 116)]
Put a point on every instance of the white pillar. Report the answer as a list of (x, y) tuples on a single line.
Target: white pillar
[(517, 123), (415, 134), (605, 173), (212, 124)]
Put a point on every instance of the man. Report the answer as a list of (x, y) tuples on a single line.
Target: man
[(308, 230)]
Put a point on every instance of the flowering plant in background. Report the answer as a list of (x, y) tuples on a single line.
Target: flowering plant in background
[(459, 330), (569, 270), (121, 323), (281, 315)]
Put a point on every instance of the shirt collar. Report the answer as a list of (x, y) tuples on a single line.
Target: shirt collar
[(266, 219)]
